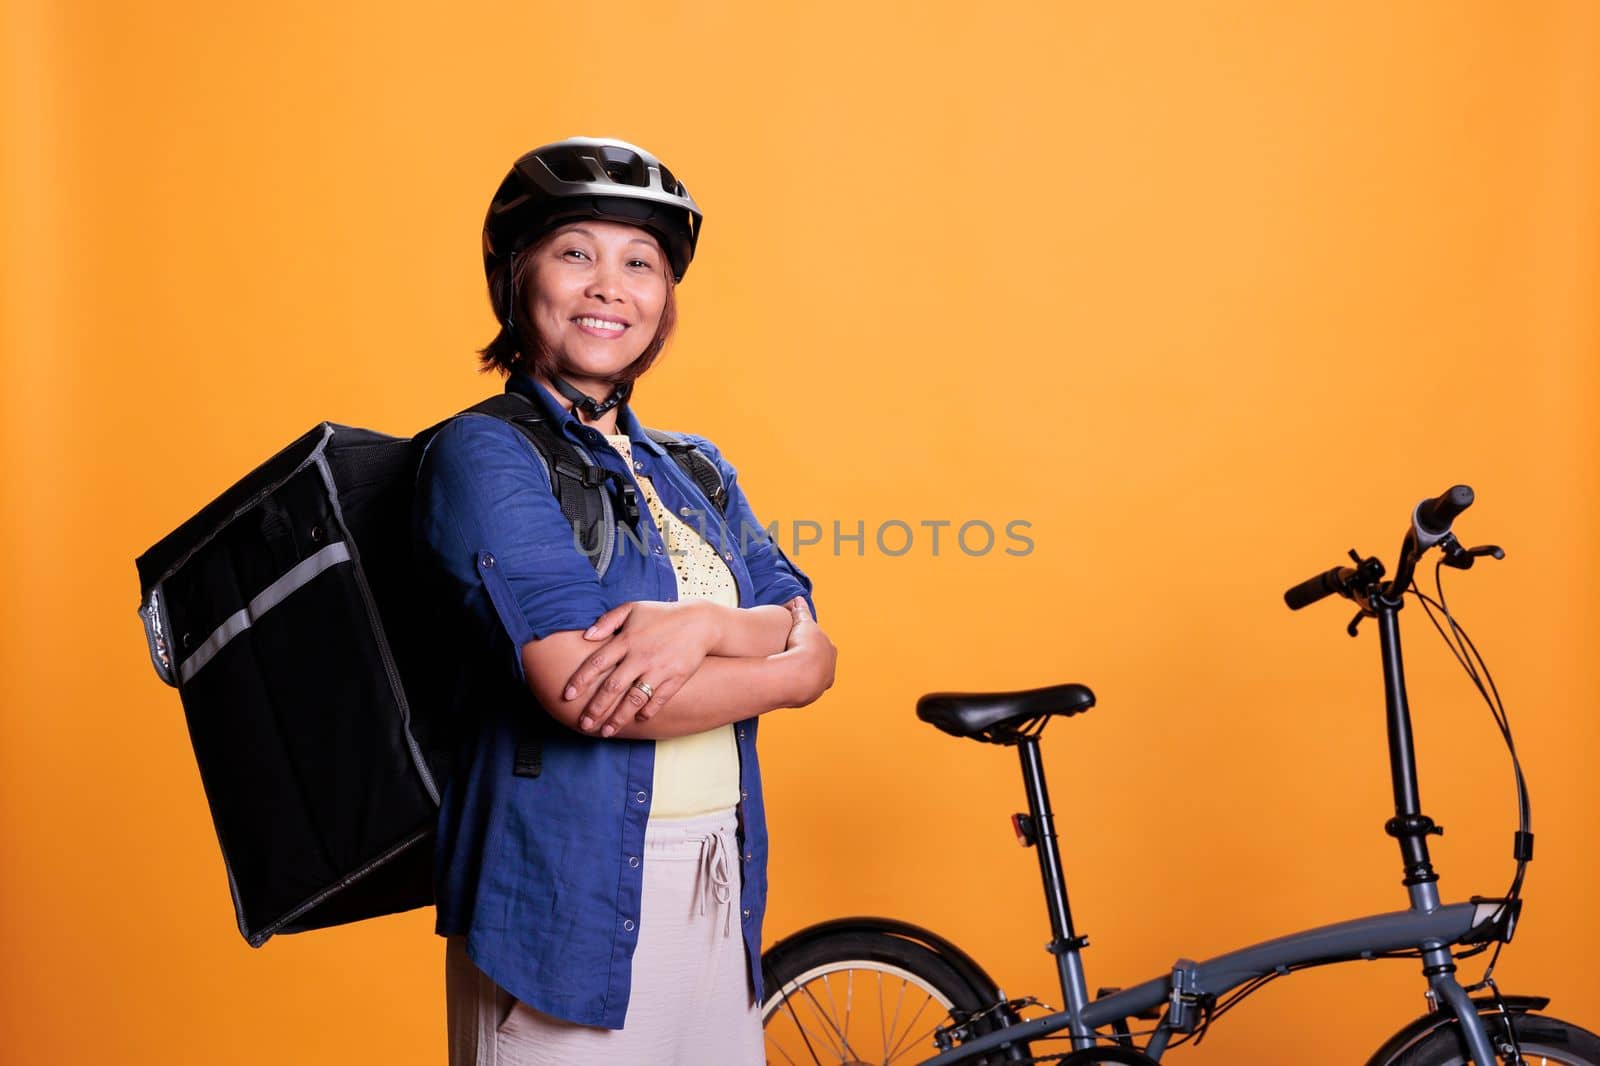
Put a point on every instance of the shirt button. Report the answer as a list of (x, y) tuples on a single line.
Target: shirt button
[(487, 559), (633, 862), (656, 549), (637, 465), (728, 556), (628, 925), (749, 856), (640, 797), (740, 732), (747, 912), (743, 794)]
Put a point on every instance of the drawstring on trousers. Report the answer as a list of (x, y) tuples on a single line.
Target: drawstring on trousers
[(715, 876)]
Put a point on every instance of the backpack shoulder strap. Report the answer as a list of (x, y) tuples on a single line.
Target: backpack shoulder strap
[(576, 479), (578, 483), (694, 462)]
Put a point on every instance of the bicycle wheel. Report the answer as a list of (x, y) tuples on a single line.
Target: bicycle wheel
[(858, 998), (1544, 1042)]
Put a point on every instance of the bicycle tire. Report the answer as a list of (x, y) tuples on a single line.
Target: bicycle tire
[(1544, 1041), (902, 989)]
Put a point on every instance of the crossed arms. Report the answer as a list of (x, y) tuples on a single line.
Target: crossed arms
[(707, 665)]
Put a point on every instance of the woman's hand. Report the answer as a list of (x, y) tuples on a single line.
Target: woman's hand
[(659, 643), (815, 655)]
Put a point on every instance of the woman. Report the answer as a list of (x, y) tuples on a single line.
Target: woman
[(601, 856)]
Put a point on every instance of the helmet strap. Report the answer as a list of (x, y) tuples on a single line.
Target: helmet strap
[(591, 407)]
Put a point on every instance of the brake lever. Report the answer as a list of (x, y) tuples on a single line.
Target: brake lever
[(1463, 558)]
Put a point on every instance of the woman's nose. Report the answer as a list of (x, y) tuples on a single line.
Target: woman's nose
[(604, 282)]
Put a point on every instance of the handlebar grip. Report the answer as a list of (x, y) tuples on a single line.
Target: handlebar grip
[(1313, 589), (1435, 515)]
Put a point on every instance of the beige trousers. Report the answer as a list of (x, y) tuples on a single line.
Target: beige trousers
[(690, 1003)]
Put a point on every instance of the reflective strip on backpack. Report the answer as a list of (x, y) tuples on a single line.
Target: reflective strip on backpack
[(298, 576)]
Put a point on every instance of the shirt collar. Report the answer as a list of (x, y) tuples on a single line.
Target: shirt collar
[(553, 409)]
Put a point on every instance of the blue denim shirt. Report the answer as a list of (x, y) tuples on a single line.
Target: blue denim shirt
[(544, 874)]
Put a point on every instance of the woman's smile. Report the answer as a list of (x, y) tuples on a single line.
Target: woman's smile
[(601, 326)]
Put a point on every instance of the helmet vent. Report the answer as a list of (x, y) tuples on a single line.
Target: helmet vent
[(624, 167), (569, 167)]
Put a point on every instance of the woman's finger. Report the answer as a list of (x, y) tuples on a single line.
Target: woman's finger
[(586, 718), (608, 623), (604, 700), (633, 698), (663, 692), (594, 667), (611, 690)]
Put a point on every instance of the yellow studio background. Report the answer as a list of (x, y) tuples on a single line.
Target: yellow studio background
[(1205, 293)]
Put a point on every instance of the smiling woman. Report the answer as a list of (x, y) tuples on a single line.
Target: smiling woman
[(597, 293), (601, 854), (543, 287)]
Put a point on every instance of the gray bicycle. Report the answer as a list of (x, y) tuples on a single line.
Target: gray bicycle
[(874, 990)]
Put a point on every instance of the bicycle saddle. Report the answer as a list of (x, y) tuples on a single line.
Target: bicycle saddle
[(1002, 717)]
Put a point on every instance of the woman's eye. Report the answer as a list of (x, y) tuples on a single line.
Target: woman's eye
[(641, 263), (575, 251)]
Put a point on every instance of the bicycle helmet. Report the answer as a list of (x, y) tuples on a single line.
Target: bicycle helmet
[(578, 178)]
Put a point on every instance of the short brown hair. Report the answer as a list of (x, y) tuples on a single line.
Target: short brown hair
[(505, 353)]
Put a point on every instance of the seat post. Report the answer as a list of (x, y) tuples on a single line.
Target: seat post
[(1066, 944)]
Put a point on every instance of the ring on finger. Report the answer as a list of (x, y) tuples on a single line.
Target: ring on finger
[(645, 687)]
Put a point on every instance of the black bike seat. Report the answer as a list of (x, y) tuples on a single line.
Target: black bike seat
[(993, 716)]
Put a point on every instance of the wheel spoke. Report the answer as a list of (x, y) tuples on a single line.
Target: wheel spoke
[(788, 1005), (895, 1051), (925, 1035), (833, 1009), (894, 1025), (882, 1032), (849, 1003), (844, 1048), (823, 1024), (786, 1056)]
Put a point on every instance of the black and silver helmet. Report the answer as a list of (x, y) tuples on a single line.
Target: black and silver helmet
[(578, 178)]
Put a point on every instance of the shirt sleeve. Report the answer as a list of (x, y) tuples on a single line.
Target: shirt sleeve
[(490, 529), (775, 578)]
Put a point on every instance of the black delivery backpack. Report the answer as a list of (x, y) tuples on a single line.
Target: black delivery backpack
[(273, 613), (287, 615)]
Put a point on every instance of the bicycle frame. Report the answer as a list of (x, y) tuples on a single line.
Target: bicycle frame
[(1427, 926)]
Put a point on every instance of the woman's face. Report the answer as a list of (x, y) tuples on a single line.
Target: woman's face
[(598, 289)]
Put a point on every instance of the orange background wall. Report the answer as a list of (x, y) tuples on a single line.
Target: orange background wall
[(1207, 293)]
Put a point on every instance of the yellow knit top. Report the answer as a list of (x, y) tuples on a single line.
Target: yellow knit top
[(699, 773)]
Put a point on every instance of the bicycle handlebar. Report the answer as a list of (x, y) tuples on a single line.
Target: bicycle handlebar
[(1434, 516), (1313, 589), (1430, 526)]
